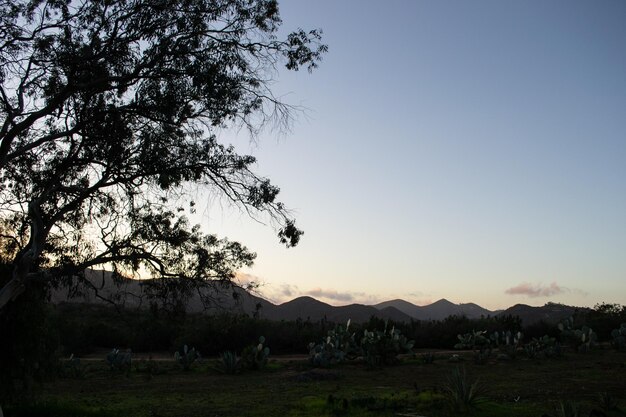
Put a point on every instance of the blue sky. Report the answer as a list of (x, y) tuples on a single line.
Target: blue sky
[(474, 151)]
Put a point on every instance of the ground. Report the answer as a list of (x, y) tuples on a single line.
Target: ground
[(290, 387)]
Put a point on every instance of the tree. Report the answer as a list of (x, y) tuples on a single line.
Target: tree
[(109, 110)]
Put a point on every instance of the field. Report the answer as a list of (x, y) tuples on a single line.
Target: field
[(289, 386)]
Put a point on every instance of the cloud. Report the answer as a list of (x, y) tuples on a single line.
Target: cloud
[(332, 294), (537, 290)]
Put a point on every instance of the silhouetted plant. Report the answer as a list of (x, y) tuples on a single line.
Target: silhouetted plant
[(569, 409), (255, 357), (230, 363), (186, 357), (383, 347), (461, 393), (619, 337), (338, 345), (607, 402), (119, 361)]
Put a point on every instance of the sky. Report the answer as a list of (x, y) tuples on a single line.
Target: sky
[(473, 151)]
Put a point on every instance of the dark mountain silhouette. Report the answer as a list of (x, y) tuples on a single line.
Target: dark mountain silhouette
[(132, 293), (438, 310), (550, 313), (310, 308)]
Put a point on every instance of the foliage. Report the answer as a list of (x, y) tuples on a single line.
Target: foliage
[(582, 340), (230, 363), (607, 402), (461, 393), (428, 358), (507, 342), (478, 342), (338, 345), (186, 357), (569, 409), (110, 111), (546, 346), (119, 361), (255, 357), (73, 368), (619, 337), (383, 347)]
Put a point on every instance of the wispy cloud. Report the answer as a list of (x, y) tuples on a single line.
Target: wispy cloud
[(331, 294), (537, 290)]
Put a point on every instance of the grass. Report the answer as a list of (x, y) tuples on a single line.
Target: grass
[(291, 388)]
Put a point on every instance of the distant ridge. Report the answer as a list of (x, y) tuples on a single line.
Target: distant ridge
[(549, 313), (131, 294), (438, 310)]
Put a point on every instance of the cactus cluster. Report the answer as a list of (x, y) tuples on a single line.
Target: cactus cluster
[(255, 356), (72, 368), (507, 342), (118, 360), (619, 337), (545, 346), (383, 347), (186, 357), (583, 340), (376, 347), (336, 347), (477, 341)]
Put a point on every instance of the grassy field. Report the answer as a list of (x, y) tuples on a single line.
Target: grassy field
[(290, 387)]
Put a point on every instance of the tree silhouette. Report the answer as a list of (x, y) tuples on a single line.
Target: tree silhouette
[(109, 109)]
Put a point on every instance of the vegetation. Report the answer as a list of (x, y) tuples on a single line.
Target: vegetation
[(291, 387), (109, 110)]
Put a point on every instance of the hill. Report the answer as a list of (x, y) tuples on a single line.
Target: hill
[(130, 293), (550, 313), (438, 310)]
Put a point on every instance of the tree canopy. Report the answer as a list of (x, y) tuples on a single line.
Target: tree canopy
[(110, 108)]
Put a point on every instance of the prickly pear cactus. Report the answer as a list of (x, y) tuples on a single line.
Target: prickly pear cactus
[(255, 356), (118, 360), (186, 357), (619, 337), (339, 345), (383, 347)]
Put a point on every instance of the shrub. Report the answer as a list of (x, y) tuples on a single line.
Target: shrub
[(255, 357), (383, 347), (337, 346), (461, 394), (186, 357), (230, 363)]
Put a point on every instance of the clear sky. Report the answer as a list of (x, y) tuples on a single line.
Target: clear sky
[(474, 151)]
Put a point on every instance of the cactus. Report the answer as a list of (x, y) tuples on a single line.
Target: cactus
[(478, 342), (338, 346), (186, 357), (507, 343), (383, 347), (255, 357), (428, 358), (73, 368), (119, 361), (546, 346), (583, 340), (619, 337)]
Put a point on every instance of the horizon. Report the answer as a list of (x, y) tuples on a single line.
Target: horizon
[(469, 151)]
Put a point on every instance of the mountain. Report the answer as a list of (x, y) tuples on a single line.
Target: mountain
[(550, 313), (310, 308), (131, 293), (438, 310)]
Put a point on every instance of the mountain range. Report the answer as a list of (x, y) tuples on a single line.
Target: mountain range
[(132, 294)]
